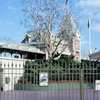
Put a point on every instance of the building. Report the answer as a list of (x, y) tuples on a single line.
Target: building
[(23, 51), (33, 47), (67, 30), (12, 62), (70, 33), (11, 69), (95, 56)]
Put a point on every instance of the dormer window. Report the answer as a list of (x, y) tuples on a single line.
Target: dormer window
[(27, 38)]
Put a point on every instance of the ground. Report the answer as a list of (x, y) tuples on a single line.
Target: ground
[(89, 94)]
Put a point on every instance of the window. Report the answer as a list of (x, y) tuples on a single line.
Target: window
[(77, 46), (77, 58)]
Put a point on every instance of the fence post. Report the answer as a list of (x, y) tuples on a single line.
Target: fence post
[(81, 85)]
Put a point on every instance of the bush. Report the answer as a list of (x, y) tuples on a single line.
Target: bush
[(63, 69)]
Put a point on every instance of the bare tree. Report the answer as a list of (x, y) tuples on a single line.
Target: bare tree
[(46, 16)]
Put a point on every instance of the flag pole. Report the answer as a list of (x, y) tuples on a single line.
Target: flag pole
[(89, 27)]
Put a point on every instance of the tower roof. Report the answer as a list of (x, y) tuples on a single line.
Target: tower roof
[(68, 26)]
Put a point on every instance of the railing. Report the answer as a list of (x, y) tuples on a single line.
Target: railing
[(55, 80)]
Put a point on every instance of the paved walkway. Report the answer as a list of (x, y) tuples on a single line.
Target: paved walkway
[(89, 94)]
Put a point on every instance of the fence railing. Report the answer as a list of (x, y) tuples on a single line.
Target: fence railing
[(54, 80)]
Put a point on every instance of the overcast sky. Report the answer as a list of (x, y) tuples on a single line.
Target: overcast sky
[(12, 30)]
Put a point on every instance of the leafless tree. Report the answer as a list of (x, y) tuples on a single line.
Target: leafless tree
[(46, 16)]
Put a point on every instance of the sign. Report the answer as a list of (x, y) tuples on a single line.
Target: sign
[(97, 85), (43, 79)]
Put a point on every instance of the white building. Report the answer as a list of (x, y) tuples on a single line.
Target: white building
[(11, 69)]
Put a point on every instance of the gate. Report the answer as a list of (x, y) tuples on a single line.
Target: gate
[(55, 80)]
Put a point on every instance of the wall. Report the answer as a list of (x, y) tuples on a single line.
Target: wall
[(52, 87), (12, 70)]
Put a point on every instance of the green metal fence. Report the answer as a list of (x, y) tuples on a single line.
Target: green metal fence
[(51, 80)]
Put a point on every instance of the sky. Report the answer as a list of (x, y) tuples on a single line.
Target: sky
[(13, 31)]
